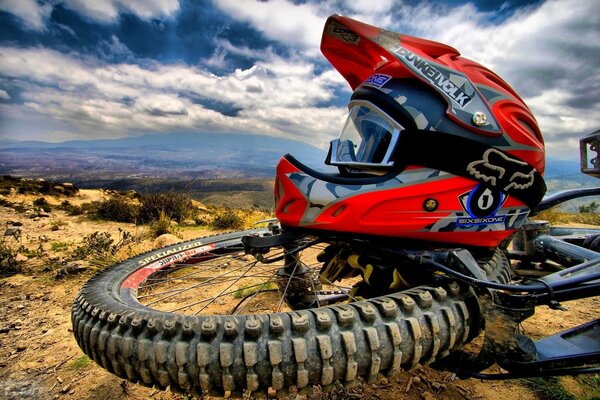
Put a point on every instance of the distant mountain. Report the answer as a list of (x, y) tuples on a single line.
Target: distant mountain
[(160, 155), (566, 174)]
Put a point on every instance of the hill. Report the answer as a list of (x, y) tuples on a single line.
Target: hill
[(211, 167)]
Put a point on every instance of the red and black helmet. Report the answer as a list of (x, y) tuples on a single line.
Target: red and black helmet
[(436, 147)]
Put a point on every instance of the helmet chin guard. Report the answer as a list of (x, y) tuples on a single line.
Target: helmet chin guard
[(435, 147)]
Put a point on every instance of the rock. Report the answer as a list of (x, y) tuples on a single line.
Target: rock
[(12, 232), (72, 268), (165, 240), (5, 329), (21, 347), (427, 396), (21, 258), (14, 223)]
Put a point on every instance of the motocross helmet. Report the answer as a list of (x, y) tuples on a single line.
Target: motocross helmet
[(435, 147)]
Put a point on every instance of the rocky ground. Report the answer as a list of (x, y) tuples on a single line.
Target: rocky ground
[(39, 358)]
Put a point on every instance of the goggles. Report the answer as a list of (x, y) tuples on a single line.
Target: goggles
[(368, 138)]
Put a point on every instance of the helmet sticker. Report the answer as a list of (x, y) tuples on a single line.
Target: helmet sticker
[(481, 204), (342, 33), (499, 170), (442, 80), (511, 218), (462, 96), (377, 80)]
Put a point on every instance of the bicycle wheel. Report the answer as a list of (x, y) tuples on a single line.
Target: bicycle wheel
[(203, 317)]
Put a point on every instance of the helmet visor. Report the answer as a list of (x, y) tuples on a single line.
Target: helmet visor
[(368, 138)]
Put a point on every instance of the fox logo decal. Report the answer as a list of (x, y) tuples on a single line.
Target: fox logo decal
[(501, 171)]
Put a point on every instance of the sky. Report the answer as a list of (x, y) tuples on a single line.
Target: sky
[(91, 69)]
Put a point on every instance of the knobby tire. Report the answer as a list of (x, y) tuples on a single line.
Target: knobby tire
[(216, 354)]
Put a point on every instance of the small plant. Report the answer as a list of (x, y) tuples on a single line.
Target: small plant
[(55, 225), (249, 290), (70, 209), (548, 388), (80, 363), (204, 219), (100, 248), (9, 263), (59, 246)]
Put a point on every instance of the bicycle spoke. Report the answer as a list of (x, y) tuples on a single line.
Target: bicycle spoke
[(230, 283)]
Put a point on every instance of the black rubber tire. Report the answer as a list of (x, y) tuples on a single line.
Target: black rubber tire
[(225, 353)]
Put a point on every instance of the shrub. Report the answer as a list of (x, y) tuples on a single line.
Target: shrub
[(161, 226), (43, 204), (589, 208), (174, 205), (228, 219), (100, 248), (119, 209)]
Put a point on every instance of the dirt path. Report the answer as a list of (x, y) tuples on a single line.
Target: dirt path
[(39, 358)]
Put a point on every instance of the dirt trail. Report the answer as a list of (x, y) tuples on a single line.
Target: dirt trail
[(39, 358)]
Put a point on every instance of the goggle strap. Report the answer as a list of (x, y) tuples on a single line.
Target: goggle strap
[(492, 167)]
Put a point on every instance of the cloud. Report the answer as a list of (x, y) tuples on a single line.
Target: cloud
[(4, 95), (114, 50), (107, 11), (30, 12), (548, 53), (296, 25), (34, 14), (274, 97)]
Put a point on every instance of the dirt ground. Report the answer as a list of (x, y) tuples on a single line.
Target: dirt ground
[(39, 358)]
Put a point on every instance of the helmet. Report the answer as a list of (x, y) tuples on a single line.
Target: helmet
[(435, 147)]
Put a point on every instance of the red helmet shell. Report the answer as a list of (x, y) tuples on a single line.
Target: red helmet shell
[(479, 202)]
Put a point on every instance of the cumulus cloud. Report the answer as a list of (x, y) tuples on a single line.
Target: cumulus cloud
[(298, 25), (274, 97), (4, 95), (549, 54)]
